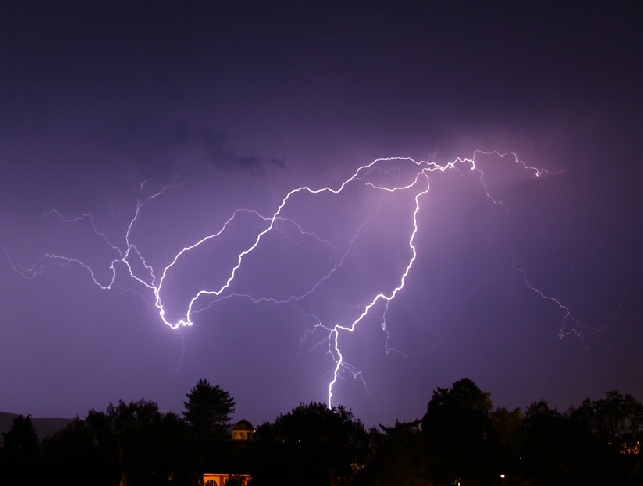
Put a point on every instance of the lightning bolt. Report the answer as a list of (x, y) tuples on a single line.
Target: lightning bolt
[(383, 176)]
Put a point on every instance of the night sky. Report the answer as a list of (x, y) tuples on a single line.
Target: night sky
[(144, 125)]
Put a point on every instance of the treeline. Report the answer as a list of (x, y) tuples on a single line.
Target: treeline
[(461, 439)]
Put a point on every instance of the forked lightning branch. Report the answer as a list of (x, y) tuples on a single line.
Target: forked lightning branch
[(405, 178)]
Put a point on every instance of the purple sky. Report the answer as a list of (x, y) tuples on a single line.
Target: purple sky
[(223, 106)]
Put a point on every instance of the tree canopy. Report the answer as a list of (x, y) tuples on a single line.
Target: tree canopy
[(312, 444), (460, 435), (208, 410)]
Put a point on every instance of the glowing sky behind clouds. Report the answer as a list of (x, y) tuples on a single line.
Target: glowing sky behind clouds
[(234, 105)]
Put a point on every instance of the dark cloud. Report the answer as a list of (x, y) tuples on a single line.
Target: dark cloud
[(175, 139), (216, 143)]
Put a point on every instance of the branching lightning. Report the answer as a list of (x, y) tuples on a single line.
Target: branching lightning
[(129, 262)]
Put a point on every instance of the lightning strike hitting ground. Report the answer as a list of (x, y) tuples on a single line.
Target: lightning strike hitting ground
[(382, 177)]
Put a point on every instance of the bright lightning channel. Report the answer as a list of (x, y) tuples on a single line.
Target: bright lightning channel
[(129, 258)]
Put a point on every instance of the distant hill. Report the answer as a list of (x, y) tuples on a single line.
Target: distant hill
[(43, 426)]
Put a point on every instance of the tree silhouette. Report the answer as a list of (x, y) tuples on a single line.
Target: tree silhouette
[(460, 435), (84, 452), (208, 410), (614, 425), (20, 457), (131, 440), (398, 456), (21, 442), (553, 450), (312, 445), (616, 420)]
